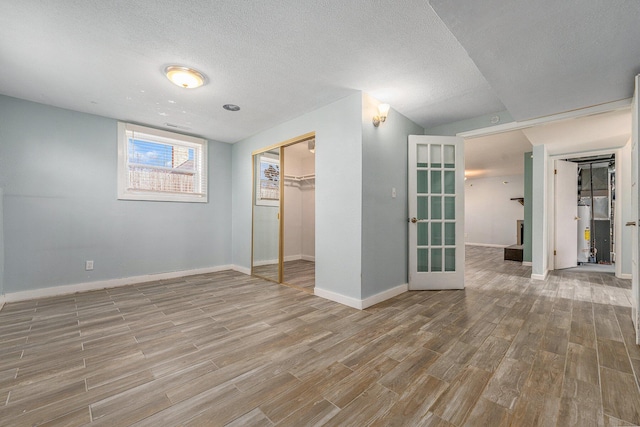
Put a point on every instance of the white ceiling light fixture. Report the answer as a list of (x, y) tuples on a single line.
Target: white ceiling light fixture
[(383, 110), (185, 77), (312, 146)]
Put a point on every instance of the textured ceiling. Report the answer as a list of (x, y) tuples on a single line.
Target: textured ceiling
[(279, 60), (496, 155), (276, 60), (547, 56)]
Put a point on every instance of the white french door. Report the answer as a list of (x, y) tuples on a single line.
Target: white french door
[(566, 214), (635, 208), (436, 212)]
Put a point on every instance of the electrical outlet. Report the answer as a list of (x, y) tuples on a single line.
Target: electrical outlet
[(88, 265), (393, 193)]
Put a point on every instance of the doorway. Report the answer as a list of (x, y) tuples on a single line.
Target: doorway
[(585, 202), (299, 214), (283, 217)]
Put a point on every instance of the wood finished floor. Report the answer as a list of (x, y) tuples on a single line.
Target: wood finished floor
[(228, 349), (299, 273)]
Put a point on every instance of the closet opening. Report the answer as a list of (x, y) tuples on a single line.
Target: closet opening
[(283, 225)]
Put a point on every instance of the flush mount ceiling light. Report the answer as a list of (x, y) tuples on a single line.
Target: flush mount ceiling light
[(185, 77)]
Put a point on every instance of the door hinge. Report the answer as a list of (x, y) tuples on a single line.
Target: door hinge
[(555, 171), (554, 252)]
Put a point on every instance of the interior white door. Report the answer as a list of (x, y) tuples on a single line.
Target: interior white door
[(633, 225), (436, 212), (566, 214)]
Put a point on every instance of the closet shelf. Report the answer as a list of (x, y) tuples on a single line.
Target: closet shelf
[(300, 178)]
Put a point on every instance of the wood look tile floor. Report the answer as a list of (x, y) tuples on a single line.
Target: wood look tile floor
[(229, 349)]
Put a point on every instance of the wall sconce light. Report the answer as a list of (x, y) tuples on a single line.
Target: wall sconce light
[(383, 110), (185, 77), (312, 146)]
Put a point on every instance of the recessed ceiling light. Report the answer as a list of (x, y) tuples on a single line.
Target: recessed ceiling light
[(185, 77), (231, 107)]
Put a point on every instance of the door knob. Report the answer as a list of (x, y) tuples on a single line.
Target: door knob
[(414, 220), (577, 218)]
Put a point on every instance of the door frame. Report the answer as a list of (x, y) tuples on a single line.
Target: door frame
[(280, 146), (620, 199)]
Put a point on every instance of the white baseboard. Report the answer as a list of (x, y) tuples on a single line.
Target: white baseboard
[(104, 284), (342, 299), (240, 269), (488, 245), (297, 257), (527, 263), (359, 303), (625, 276), (2, 301), (265, 262), (384, 295), (540, 276)]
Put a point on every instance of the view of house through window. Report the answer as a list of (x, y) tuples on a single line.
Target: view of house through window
[(161, 165)]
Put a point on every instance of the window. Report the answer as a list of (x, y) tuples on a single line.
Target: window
[(268, 177), (160, 165)]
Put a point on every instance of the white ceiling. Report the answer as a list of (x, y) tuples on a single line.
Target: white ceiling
[(496, 155), (278, 60), (547, 56)]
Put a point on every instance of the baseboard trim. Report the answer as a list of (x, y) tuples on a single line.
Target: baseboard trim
[(361, 304), (105, 284), (488, 245), (527, 263), (298, 257), (384, 295), (336, 297), (266, 262), (2, 301), (540, 276), (625, 276), (240, 269)]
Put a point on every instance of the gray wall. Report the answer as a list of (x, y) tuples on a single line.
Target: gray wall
[(1, 243), (528, 217), (58, 171), (338, 130), (491, 217), (384, 219)]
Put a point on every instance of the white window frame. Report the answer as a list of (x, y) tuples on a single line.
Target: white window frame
[(275, 160), (161, 136)]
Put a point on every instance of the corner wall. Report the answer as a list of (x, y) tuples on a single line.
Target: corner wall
[(384, 218), (338, 193), (491, 217), (58, 172), (528, 216)]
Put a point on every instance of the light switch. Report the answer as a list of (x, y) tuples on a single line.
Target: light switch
[(393, 193)]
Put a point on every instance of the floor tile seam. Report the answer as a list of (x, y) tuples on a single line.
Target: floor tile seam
[(595, 335), (626, 349)]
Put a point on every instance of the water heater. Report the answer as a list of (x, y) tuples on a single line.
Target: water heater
[(584, 233)]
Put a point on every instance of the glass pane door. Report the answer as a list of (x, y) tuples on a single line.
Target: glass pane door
[(436, 209)]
